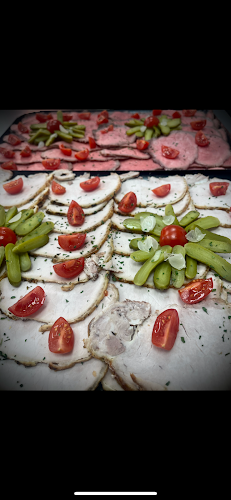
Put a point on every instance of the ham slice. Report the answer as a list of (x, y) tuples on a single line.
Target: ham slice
[(215, 154), (139, 165), (26, 160), (116, 138), (108, 165), (183, 142), (126, 152), (208, 131)]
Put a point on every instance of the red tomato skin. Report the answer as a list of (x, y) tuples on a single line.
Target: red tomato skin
[(198, 124), (9, 165), (14, 187), (70, 268), (61, 337), (196, 291), (8, 153), (201, 139), (57, 188), (162, 191), (151, 121), (71, 242), (67, 118), (65, 151), (176, 115), (189, 112), (53, 125), (51, 164), (104, 113), (23, 128), (14, 140), (25, 152), (128, 203), (42, 118), (168, 152), (106, 130), (82, 155), (75, 214), (84, 116), (141, 144), (136, 115), (92, 142), (7, 236), (173, 235), (156, 112), (29, 304), (91, 184), (218, 188), (165, 329)]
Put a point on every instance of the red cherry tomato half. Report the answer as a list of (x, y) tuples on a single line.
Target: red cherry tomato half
[(90, 184), (70, 268), (103, 113), (71, 242), (198, 124), (14, 187), (57, 188), (196, 291), (165, 329), (162, 190), (65, 151), (218, 188), (51, 164), (82, 155), (101, 119), (168, 152), (176, 115), (156, 112), (42, 118), (141, 144), (13, 139), (173, 235), (25, 152), (108, 129), (67, 118), (189, 112), (61, 337), (151, 121), (84, 116), (8, 153), (53, 125), (92, 142), (201, 139), (75, 214), (128, 203), (29, 304), (7, 236), (136, 115), (23, 128), (9, 165)]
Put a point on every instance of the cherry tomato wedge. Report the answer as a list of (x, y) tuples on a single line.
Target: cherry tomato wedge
[(176, 115), (29, 304), (61, 337), (201, 139), (103, 113), (9, 165), (165, 329), (51, 164), (141, 144), (196, 291), (42, 118), (90, 184), (189, 112), (7, 236), (71, 242), (65, 151), (162, 190), (218, 188), (198, 124), (75, 214), (8, 153), (128, 203), (13, 139), (84, 116), (70, 268), (108, 129), (23, 128), (82, 155), (14, 187), (168, 152), (151, 121), (57, 188), (67, 118), (53, 125), (101, 119), (156, 112), (136, 115), (92, 142), (25, 152), (173, 235)]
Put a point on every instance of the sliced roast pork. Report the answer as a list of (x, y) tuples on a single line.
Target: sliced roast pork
[(33, 185), (215, 154), (179, 140), (117, 137), (202, 197)]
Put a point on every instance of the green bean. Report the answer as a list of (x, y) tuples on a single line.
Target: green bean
[(150, 264), (2, 254), (27, 246), (25, 262), (178, 275), (191, 267), (10, 214), (12, 265), (30, 224), (42, 138), (40, 133), (77, 128), (162, 275), (214, 261), (189, 218), (2, 216)]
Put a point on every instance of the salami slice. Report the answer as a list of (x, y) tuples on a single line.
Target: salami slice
[(183, 142)]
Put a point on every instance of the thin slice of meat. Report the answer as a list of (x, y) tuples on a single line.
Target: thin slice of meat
[(227, 163), (215, 154), (117, 137), (208, 131), (108, 165), (22, 136), (126, 152), (26, 160), (183, 142), (139, 165), (96, 156), (75, 145), (39, 166)]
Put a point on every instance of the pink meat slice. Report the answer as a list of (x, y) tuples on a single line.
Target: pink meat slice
[(208, 131), (115, 138), (19, 160), (186, 120), (124, 116), (14, 130), (109, 165), (183, 142), (39, 166), (227, 163), (215, 154), (75, 145), (126, 152), (127, 165)]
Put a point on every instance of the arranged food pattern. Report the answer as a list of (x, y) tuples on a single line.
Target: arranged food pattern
[(119, 279), (117, 141)]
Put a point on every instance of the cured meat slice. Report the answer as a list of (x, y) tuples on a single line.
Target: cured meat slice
[(183, 142), (126, 152), (21, 135), (215, 154), (82, 300), (116, 138), (32, 186), (75, 145), (24, 160), (108, 165), (96, 156), (143, 190), (139, 165), (208, 131), (227, 163), (202, 197)]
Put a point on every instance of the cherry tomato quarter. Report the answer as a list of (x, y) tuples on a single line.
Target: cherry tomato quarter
[(9, 165), (29, 304), (90, 184), (156, 112), (84, 116), (14, 187), (176, 114), (75, 214), (57, 188), (65, 151), (82, 155), (141, 144), (201, 139), (7, 236), (25, 152), (53, 125), (92, 142), (165, 329), (61, 337), (196, 291), (173, 235), (70, 268), (42, 118), (189, 112), (168, 152), (71, 242), (51, 164), (23, 128), (198, 124), (136, 115), (13, 140), (128, 203), (218, 188), (162, 191)]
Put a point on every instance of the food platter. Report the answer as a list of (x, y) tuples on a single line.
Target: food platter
[(196, 362)]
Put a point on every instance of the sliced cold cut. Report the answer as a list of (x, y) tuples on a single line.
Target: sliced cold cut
[(183, 142)]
